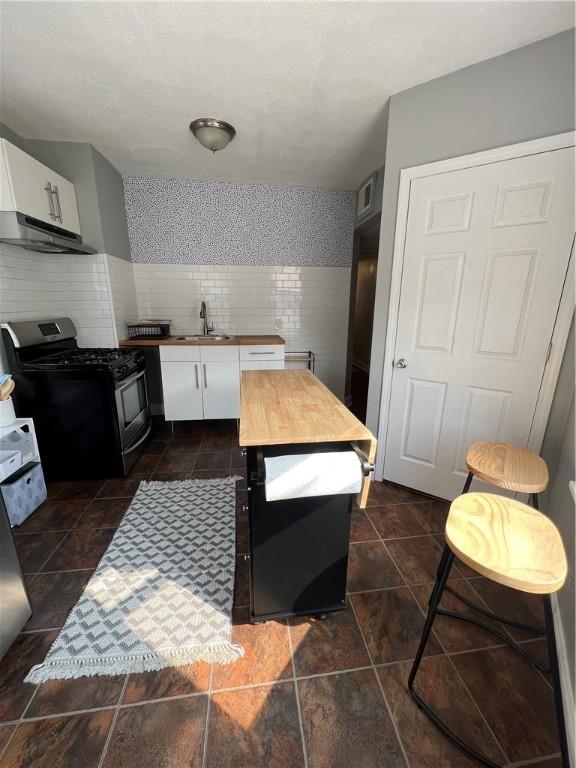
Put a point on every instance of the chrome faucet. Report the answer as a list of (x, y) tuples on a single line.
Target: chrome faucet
[(206, 329)]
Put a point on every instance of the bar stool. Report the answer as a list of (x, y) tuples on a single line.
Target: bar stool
[(514, 545), (507, 466), (515, 469)]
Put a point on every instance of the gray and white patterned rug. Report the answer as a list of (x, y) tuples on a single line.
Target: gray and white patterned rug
[(162, 593)]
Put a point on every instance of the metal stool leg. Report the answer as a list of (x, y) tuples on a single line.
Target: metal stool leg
[(433, 610), (538, 631), (468, 483), (553, 659), (433, 602), (535, 501)]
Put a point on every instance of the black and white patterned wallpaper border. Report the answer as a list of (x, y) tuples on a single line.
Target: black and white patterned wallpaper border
[(175, 221)]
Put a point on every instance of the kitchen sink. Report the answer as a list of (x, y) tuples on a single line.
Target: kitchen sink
[(198, 336)]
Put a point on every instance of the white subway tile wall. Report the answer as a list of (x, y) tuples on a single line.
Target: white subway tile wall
[(123, 294), (308, 306), (41, 285)]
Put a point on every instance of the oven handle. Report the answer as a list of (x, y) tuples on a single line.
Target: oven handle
[(133, 447), (130, 381)]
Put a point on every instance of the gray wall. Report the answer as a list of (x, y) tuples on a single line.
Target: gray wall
[(559, 453), (524, 94), (98, 186), (112, 207), (561, 510), (12, 136)]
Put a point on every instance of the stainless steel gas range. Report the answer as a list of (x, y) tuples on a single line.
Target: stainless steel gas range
[(90, 406)]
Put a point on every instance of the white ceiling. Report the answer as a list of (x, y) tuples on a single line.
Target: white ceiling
[(304, 84)]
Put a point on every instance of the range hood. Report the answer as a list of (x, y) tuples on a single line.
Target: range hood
[(34, 235)]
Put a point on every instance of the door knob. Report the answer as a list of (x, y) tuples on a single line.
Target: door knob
[(402, 363)]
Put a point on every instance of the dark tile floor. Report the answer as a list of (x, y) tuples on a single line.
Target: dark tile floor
[(323, 694)]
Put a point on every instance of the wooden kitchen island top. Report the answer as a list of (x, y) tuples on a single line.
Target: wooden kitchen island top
[(287, 407)]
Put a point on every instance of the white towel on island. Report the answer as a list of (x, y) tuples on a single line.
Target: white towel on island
[(312, 474)]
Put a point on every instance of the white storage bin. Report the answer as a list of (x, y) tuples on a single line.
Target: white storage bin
[(23, 493), (10, 461), (19, 440)]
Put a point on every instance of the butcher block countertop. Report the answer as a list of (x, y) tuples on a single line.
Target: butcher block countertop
[(282, 407), (233, 341)]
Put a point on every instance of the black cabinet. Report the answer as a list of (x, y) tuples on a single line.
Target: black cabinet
[(298, 547)]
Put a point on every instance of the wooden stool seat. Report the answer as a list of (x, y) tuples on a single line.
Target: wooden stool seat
[(508, 466), (508, 542)]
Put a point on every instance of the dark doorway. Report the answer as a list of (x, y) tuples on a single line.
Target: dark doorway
[(362, 296)]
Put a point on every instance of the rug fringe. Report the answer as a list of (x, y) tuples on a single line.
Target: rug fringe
[(120, 665), (190, 483)]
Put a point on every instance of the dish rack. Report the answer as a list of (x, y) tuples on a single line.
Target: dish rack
[(149, 329)]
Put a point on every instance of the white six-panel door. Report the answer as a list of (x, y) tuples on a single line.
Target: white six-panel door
[(486, 254)]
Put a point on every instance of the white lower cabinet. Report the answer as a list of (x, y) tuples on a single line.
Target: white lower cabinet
[(261, 365), (203, 382)]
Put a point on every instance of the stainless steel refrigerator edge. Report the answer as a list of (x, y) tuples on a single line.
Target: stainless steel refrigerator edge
[(15, 609)]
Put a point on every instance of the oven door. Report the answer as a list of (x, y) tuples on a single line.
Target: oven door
[(132, 408)]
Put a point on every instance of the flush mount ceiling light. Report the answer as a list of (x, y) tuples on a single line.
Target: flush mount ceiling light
[(212, 134)]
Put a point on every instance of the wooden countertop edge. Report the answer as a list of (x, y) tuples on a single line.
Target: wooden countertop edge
[(233, 341), (327, 438)]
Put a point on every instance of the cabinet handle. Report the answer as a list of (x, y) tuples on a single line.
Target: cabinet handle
[(205, 378), (260, 353), (58, 208), (196, 374), (48, 190)]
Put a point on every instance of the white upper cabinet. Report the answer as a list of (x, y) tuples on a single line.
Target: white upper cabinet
[(33, 189)]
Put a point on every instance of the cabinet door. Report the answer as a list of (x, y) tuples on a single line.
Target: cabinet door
[(65, 203), (221, 390), (182, 391), (27, 180), (261, 365), (37, 191)]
